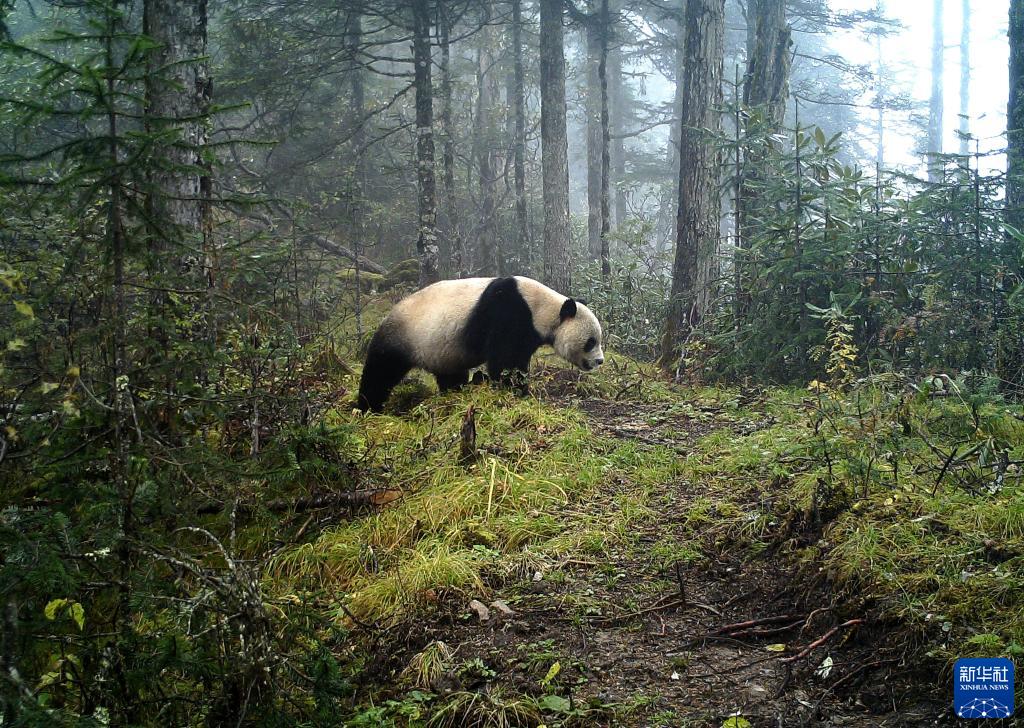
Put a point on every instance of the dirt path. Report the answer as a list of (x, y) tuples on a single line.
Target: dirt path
[(640, 642)]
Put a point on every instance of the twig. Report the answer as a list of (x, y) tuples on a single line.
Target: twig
[(679, 580), (656, 607), (356, 620), (759, 632), (811, 616), (757, 623), (821, 640)]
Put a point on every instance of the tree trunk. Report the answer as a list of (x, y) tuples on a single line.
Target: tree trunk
[(484, 144), (554, 149), (453, 226), (1015, 120), (965, 78), (617, 124), (355, 35), (935, 105), (593, 111), (665, 220), (765, 91), (178, 99), (1010, 359), (699, 197), (518, 102), (602, 74), (766, 85), (879, 100), (426, 244)]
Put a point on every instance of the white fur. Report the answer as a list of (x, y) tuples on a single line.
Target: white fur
[(431, 319), (570, 335), (429, 323)]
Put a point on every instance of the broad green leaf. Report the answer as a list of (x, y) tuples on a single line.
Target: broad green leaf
[(777, 647), (50, 610), (555, 704), (78, 614), (24, 309)]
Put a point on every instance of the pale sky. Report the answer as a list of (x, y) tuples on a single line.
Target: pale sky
[(908, 52)]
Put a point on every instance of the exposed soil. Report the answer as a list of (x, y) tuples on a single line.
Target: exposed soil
[(642, 643)]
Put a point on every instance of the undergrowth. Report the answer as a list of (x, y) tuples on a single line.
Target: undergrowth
[(459, 527), (905, 498)]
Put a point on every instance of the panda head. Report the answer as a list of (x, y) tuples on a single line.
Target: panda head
[(577, 338)]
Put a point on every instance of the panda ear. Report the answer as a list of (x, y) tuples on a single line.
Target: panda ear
[(568, 309)]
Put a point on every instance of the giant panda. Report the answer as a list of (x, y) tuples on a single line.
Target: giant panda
[(453, 326)]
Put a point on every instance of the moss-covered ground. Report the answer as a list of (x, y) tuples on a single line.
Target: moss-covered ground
[(856, 542)]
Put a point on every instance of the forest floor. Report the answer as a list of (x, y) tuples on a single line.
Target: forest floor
[(645, 638), (696, 571)]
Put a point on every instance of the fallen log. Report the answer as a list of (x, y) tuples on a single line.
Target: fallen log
[(330, 246)]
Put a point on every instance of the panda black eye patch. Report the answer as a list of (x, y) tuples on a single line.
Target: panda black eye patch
[(591, 343)]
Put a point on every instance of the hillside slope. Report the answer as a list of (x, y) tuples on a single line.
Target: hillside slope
[(673, 557)]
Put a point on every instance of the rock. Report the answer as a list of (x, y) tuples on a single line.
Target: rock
[(482, 612), (502, 610)]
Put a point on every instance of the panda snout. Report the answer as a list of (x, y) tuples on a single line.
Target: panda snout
[(598, 361)]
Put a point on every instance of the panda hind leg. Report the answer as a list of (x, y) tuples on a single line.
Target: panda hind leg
[(452, 380)]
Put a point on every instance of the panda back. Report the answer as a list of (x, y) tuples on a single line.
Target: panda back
[(430, 323)]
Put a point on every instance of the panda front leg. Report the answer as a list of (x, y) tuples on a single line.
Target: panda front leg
[(510, 369), (385, 366), (452, 380)]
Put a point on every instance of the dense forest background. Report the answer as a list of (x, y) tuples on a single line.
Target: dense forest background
[(205, 207)]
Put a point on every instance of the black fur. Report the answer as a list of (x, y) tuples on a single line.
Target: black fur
[(386, 364), (448, 382), (499, 333)]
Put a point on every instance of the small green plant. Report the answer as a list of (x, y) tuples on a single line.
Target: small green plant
[(485, 709), (839, 352), (429, 665)]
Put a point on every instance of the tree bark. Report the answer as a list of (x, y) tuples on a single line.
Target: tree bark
[(522, 227), (765, 91), (554, 149), (769, 38), (453, 223), (699, 197), (426, 244), (602, 74), (965, 78), (879, 100), (1015, 120), (485, 141), (355, 36), (617, 125), (178, 101), (667, 223), (1011, 350), (935, 105), (594, 137)]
